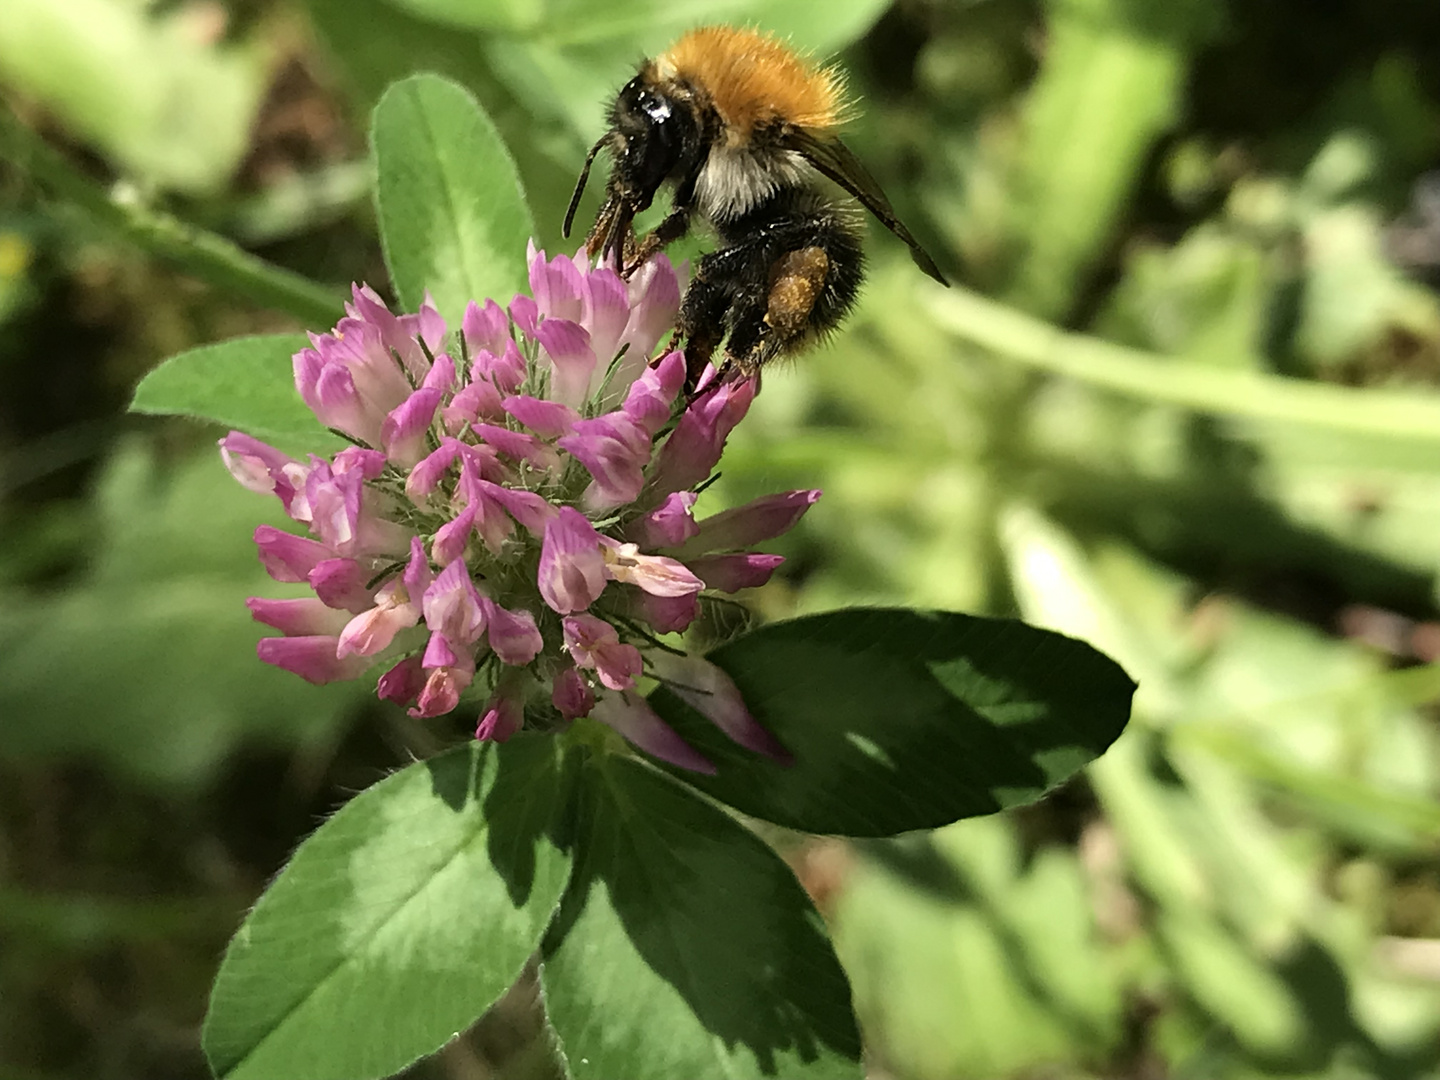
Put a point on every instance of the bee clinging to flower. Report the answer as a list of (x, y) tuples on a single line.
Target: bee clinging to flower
[(743, 129)]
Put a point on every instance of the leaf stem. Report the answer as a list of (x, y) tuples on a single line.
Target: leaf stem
[(207, 255), (1173, 380)]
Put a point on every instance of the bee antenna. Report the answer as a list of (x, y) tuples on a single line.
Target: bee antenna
[(580, 185)]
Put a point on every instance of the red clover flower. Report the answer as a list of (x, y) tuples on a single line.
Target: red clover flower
[(516, 511)]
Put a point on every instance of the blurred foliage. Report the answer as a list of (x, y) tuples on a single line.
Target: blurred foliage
[(1234, 200)]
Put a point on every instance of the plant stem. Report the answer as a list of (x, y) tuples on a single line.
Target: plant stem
[(1174, 380), (206, 255)]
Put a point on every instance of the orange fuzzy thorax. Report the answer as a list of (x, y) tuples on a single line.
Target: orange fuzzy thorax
[(754, 80)]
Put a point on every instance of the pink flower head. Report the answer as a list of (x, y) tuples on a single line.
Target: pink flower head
[(503, 475)]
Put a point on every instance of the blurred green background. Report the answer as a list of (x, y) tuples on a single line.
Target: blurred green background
[(1182, 403)]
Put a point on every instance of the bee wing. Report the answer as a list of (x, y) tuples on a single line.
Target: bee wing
[(833, 158)]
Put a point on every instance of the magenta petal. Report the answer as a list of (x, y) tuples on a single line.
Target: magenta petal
[(708, 690), (478, 400), (342, 583), (615, 450), (763, 519), (656, 574), (548, 419), (312, 658), (287, 557), (629, 714), (526, 315), (572, 569), (731, 573), (515, 444), (529, 508), (654, 303)]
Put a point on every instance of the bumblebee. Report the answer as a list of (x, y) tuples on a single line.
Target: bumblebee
[(743, 129)]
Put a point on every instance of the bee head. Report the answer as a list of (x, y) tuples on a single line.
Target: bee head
[(654, 136)]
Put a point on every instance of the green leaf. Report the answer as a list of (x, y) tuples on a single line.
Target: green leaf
[(398, 923), (903, 720), (246, 383), (686, 948), (453, 218), (477, 14)]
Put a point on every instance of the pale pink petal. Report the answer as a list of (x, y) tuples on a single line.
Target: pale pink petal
[(655, 574), (485, 329), (651, 398)]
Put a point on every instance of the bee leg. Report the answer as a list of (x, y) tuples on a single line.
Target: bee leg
[(702, 320), (783, 314)]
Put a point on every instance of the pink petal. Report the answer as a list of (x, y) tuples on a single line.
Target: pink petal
[(710, 691), (402, 683), (654, 303), (453, 607), (607, 310), (669, 525), (572, 360), (571, 694), (452, 537), (503, 717), (254, 463), (312, 658), (342, 583), (572, 570), (303, 617), (652, 396), (731, 573), (629, 714), (287, 557), (403, 432), (513, 635), (663, 614), (548, 419), (763, 519), (594, 643), (558, 289), (695, 446), (485, 328)]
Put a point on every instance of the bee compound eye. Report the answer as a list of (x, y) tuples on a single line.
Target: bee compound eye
[(656, 108)]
